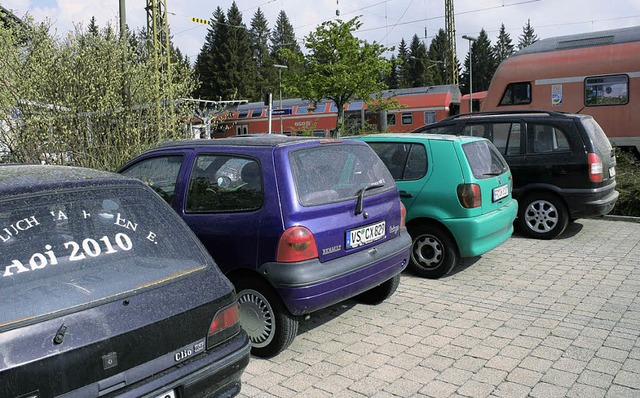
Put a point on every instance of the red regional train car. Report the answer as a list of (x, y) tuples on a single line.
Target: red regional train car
[(418, 106)]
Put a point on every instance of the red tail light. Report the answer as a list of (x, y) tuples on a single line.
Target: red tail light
[(224, 319), (595, 168), (469, 195), (296, 244), (403, 215)]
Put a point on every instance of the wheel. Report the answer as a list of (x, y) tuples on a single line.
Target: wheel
[(270, 326), (542, 216), (433, 252), (381, 292)]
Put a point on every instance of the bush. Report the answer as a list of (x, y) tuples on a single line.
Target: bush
[(628, 180)]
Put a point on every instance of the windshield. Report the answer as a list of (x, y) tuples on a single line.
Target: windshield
[(335, 172), (73, 248)]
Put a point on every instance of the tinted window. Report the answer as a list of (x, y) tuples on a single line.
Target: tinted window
[(407, 118), (505, 136), (63, 250), (405, 161), (256, 113), (598, 137), (160, 173), (546, 138), (606, 90), (517, 93), (330, 173), (224, 184), (429, 117), (484, 159), (243, 114)]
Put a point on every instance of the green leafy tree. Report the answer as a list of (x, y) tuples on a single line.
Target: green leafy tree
[(283, 38), (339, 66), (503, 48), (527, 37), (61, 99), (484, 64)]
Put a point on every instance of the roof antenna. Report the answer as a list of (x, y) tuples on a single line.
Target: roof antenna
[(337, 9)]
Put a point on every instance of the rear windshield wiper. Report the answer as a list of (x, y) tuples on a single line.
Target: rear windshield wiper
[(360, 194)]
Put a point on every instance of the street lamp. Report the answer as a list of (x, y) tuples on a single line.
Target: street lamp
[(280, 68), (470, 38)]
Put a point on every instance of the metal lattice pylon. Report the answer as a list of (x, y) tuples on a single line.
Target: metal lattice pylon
[(450, 61)]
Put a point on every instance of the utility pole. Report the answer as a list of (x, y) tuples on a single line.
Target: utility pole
[(280, 68)]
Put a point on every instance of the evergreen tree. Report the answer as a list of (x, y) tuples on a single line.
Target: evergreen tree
[(418, 65), (93, 27), (260, 34), (241, 67), (210, 64), (283, 38), (403, 65), (391, 79), (437, 56), (528, 36), (483, 67), (503, 48)]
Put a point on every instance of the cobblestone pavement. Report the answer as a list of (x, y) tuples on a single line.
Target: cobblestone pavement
[(528, 319)]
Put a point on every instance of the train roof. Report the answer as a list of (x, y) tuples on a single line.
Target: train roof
[(591, 39)]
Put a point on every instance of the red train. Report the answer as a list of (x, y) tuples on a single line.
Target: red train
[(418, 106)]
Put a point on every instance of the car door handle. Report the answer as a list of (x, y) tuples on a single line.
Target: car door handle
[(405, 194)]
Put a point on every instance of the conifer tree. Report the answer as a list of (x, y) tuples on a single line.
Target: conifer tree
[(241, 67), (484, 64), (210, 63), (403, 65), (260, 34), (418, 64), (503, 48), (437, 55), (527, 37)]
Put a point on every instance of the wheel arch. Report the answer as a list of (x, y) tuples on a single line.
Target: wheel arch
[(433, 222)]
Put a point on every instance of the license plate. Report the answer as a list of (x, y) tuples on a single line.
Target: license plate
[(500, 192), (364, 235), (168, 394), (612, 171)]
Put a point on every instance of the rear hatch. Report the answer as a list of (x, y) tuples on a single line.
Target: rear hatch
[(601, 147), (101, 288), (344, 195), (487, 170)]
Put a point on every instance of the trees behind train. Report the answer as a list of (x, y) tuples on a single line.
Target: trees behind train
[(338, 66), (89, 99)]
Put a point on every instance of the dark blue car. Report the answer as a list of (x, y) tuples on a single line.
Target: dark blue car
[(296, 224), (104, 291)]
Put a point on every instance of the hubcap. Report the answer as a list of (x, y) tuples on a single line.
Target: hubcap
[(256, 317), (541, 216), (427, 251)]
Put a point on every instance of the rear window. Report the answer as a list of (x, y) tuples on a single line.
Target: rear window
[(597, 136), (484, 159), (75, 248), (335, 172)]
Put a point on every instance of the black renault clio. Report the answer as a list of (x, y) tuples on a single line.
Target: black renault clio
[(104, 291)]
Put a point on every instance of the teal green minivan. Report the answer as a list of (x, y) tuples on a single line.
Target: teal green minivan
[(457, 192)]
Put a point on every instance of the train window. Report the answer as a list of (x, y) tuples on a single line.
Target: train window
[(407, 118), (243, 114), (302, 109), (429, 117), (256, 113), (606, 90), (320, 108), (391, 119), (517, 94)]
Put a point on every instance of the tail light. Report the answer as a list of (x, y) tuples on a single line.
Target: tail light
[(469, 195), (403, 215), (595, 168), (296, 244), (224, 319)]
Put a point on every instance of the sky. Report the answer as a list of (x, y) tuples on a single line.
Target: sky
[(384, 21)]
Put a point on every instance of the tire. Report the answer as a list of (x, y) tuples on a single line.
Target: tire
[(542, 216), (270, 326), (381, 292), (433, 251)]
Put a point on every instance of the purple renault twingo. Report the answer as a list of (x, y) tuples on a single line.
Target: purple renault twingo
[(297, 224)]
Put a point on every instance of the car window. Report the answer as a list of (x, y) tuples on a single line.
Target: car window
[(330, 173), (221, 183), (597, 135), (484, 159), (74, 248), (160, 173), (506, 137), (545, 138), (405, 161)]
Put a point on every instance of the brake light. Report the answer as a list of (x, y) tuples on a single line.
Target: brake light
[(296, 244), (595, 168), (403, 215), (224, 319), (469, 195)]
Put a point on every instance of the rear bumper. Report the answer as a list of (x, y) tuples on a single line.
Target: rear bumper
[(591, 204), (214, 373), (311, 285), (478, 235)]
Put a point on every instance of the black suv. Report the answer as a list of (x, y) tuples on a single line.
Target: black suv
[(563, 165)]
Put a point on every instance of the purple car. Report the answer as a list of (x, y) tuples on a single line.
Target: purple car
[(308, 222)]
